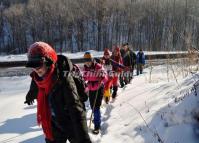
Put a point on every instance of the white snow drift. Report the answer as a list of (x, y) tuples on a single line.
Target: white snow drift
[(144, 111)]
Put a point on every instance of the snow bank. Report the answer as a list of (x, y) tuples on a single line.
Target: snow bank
[(23, 57)]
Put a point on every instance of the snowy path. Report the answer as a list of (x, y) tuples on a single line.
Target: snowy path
[(121, 119)]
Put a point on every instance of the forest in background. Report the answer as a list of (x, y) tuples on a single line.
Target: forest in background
[(79, 25)]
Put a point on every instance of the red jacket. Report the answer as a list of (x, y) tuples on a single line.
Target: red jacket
[(94, 75)]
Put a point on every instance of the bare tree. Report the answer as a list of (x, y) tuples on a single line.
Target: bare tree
[(76, 25)]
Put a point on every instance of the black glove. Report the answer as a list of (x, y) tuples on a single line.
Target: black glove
[(30, 98), (29, 102), (32, 94)]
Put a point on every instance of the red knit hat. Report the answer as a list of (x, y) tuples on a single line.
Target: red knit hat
[(38, 52)]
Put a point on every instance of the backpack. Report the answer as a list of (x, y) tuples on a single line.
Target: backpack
[(63, 65), (80, 83)]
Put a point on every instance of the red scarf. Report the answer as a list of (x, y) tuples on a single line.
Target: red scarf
[(43, 109)]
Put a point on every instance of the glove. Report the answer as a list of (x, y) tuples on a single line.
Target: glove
[(32, 94), (29, 102), (30, 98)]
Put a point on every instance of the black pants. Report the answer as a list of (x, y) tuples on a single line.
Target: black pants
[(61, 136), (115, 88), (92, 96)]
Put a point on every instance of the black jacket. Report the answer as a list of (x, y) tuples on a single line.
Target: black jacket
[(129, 59), (68, 114)]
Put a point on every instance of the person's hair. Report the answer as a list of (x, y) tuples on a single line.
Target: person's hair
[(125, 44)]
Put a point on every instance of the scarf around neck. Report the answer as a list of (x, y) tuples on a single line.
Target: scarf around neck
[(43, 110)]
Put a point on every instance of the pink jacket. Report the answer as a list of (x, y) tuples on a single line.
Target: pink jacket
[(95, 76)]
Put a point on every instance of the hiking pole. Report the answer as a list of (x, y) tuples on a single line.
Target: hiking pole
[(94, 106)]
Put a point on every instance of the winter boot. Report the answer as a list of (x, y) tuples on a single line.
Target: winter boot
[(96, 130), (141, 71), (122, 84)]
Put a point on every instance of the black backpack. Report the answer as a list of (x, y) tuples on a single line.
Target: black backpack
[(64, 65)]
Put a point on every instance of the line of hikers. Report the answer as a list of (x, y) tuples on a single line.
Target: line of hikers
[(61, 88)]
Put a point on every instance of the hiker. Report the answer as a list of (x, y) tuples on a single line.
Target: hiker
[(113, 66), (129, 60), (95, 76), (140, 61), (60, 112)]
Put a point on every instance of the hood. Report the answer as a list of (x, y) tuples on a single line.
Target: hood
[(64, 63)]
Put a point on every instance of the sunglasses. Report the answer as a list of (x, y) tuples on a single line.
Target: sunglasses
[(38, 68), (35, 62)]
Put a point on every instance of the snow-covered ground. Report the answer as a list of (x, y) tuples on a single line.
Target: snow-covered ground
[(144, 110), (23, 57)]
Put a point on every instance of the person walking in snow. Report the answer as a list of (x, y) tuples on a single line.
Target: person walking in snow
[(60, 112), (129, 60), (114, 62), (95, 76), (140, 60), (113, 66), (106, 62)]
